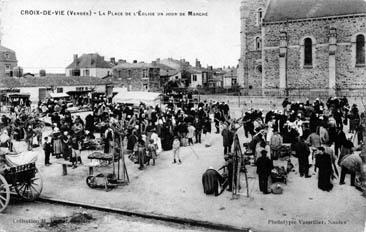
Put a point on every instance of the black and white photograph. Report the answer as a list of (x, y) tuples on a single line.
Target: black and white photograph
[(172, 115)]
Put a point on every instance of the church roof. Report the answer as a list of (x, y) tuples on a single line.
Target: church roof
[(283, 10)]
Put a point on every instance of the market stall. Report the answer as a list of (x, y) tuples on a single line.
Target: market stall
[(136, 98), (15, 98), (59, 96), (80, 97)]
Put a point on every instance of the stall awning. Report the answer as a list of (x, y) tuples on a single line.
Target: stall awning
[(148, 98), (59, 95), (78, 92), (18, 95)]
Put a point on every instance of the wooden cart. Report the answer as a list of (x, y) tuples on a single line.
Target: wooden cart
[(23, 180)]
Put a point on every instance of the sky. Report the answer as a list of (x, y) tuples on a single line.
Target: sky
[(49, 41)]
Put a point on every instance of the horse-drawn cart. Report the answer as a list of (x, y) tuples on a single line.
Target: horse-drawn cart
[(22, 179)]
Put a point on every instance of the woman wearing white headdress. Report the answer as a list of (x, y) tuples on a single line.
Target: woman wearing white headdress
[(298, 124), (270, 125)]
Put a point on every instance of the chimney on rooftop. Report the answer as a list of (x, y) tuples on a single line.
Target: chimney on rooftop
[(135, 61), (198, 64), (75, 57), (42, 73)]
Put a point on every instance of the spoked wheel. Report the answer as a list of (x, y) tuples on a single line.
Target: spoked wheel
[(31, 189), (90, 181), (4, 193)]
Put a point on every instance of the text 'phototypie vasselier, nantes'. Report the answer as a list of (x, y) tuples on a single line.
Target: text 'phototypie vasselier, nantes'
[(107, 13)]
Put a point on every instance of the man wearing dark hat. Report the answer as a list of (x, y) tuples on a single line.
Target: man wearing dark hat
[(302, 152), (230, 172), (264, 168)]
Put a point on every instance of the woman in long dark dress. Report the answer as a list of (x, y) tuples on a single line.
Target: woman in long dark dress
[(324, 163), (66, 145), (166, 138), (57, 143)]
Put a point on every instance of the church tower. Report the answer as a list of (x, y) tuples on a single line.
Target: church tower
[(250, 63)]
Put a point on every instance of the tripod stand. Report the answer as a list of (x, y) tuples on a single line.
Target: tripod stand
[(122, 174), (238, 161)]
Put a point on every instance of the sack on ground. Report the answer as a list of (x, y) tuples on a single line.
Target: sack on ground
[(276, 189)]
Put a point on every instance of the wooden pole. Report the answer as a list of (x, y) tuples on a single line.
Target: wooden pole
[(119, 160), (111, 149), (124, 168), (123, 161), (237, 160)]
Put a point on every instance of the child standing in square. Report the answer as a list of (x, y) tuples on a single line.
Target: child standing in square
[(47, 147), (151, 151), (176, 148)]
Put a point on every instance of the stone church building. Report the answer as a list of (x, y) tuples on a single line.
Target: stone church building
[(303, 47)]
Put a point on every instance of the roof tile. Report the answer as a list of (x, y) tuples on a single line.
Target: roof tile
[(47, 81), (283, 10)]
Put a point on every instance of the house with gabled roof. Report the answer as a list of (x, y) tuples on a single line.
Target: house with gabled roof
[(89, 65), (136, 76), (8, 61)]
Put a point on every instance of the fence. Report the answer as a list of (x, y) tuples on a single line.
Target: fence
[(311, 93), (242, 102)]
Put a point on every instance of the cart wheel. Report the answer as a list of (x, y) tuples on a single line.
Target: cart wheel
[(4, 194), (90, 181), (31, 189)]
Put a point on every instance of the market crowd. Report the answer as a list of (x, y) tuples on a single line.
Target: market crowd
[(143, 130), (314, 132)]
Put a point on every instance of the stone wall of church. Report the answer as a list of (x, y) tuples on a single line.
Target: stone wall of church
[(249, 72), (254, 73), (317, 77)]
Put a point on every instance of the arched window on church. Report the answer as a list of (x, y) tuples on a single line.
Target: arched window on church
[(360, 50), (308, 52), (258, 43), (259, 16)]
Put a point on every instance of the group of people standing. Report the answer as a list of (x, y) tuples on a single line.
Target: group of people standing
[(315, 133)]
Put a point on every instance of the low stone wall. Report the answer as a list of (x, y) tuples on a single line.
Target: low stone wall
[(244, 103)]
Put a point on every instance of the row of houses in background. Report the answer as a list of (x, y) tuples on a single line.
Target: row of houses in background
[(56, 86), (92, 74), (141, 76), (43, 85)]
